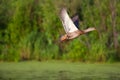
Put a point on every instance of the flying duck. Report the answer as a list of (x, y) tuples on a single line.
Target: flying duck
[(70, 26)]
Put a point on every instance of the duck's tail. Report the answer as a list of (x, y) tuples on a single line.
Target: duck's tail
[(89, 30)]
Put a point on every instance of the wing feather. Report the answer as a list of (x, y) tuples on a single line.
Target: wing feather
[(67, 22)]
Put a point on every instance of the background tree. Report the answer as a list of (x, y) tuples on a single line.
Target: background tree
[(31, 30)]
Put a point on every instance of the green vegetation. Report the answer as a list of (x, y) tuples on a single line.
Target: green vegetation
[(30, 30), (58, 70)]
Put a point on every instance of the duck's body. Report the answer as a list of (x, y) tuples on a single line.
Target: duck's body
[(75, 34), (71, 30)]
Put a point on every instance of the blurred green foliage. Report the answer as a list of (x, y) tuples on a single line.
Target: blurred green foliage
[(31, 30)]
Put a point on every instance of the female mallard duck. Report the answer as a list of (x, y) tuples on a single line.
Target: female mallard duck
[(70, 28)]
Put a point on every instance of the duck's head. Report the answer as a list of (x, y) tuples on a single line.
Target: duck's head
[(63, 38)]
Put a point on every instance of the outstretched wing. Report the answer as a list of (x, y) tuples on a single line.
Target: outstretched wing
[(67, 22), (75, 20)]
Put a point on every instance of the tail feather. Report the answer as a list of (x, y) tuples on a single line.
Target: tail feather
[(89, 29)]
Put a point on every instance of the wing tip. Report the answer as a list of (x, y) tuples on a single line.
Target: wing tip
[(62, 13), (62, 10)]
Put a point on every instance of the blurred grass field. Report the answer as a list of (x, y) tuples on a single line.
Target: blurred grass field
[(58, 70)]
